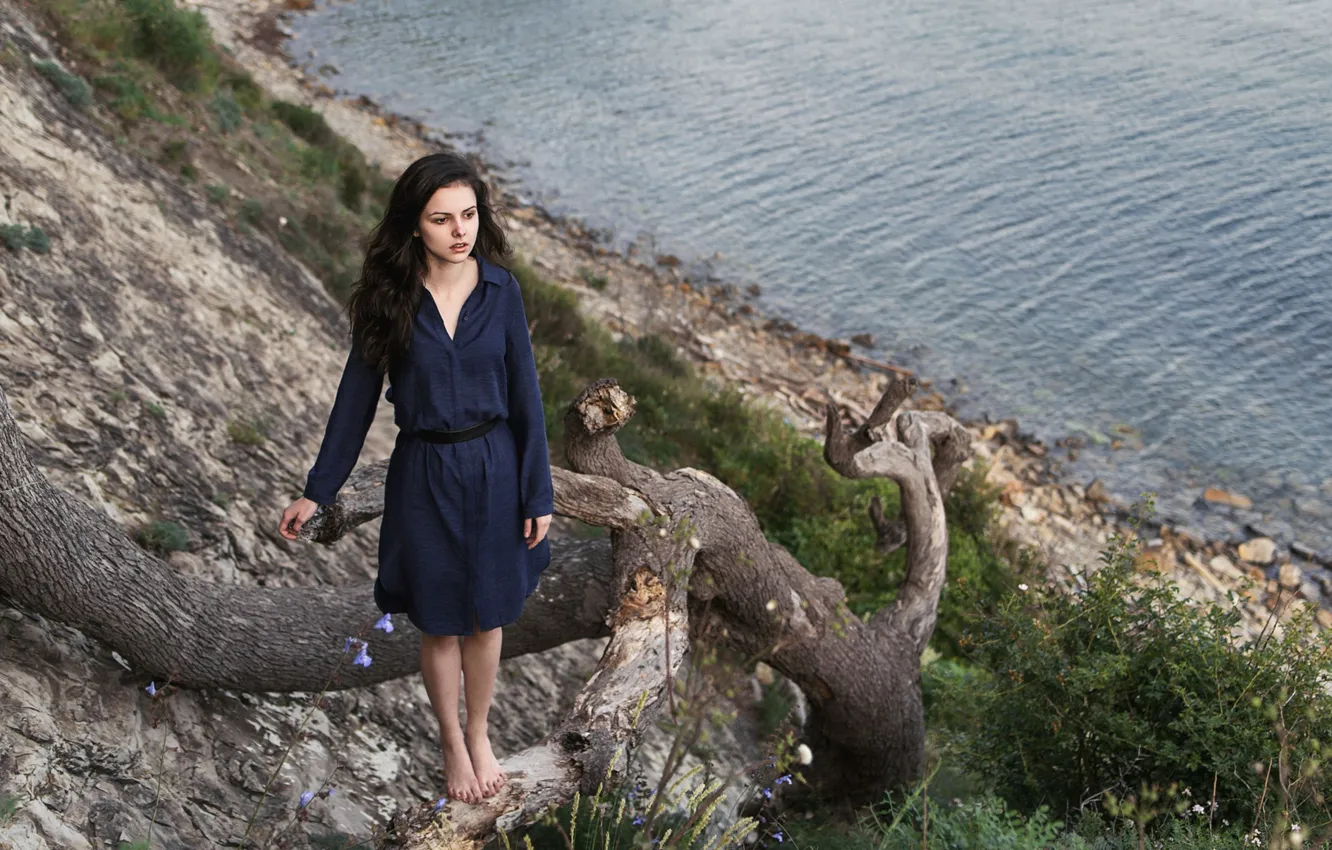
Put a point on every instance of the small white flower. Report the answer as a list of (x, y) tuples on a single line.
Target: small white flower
[(1188, 793), (1197, 809), (803, 754), (661, 532), (282, 221), (1022, 587), (694, 543), (772, 605)]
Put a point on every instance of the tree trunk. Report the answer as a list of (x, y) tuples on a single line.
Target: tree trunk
[(682, 545)]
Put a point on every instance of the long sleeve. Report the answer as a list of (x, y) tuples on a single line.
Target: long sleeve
[(526, 417), (348, 423)]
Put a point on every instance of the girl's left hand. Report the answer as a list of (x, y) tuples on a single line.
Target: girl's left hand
[(535, 536)]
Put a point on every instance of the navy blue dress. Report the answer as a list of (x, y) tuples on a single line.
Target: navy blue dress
[(451, 544)]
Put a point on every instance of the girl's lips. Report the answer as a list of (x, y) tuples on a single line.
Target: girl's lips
[(462, 248)]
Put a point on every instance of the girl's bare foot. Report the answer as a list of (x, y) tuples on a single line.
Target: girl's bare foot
[(462, 782), (487, 769)]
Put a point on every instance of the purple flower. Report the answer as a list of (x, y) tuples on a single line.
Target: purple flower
[(385, 623), (778, 836), (151, 689), (362, 659), (638, 821), (441, 802), (784, 778), (330, 791), (767, 792), (306, 797), (346, 647)]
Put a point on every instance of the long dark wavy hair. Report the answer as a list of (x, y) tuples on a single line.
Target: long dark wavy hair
[(384, 300)]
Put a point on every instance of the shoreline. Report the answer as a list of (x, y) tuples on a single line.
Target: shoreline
[(773, 361)]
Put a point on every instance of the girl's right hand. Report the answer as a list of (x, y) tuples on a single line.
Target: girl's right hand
[(295, 516)]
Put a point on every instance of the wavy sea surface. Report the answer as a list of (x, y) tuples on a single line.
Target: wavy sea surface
[(1109, 219)]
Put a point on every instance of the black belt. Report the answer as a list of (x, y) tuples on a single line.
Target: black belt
[(457, 436)]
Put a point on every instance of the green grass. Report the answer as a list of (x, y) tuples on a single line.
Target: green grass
[(246, 432), (16, 236), (72, 86), (163, 536), (8, 808)]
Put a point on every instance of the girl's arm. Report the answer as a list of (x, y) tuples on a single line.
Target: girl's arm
[(348, 423), (526, 417)]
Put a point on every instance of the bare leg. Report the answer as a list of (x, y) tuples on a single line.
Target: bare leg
[(480, 663), (440, 667)]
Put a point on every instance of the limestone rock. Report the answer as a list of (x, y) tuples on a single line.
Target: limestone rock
[(1260, 550)]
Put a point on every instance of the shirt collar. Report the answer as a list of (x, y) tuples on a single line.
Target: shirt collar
[(492, 272)]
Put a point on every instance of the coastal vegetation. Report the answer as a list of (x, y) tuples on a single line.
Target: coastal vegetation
[(1117, 717)]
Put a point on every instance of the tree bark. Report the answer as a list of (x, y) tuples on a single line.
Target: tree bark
[(683, 546)]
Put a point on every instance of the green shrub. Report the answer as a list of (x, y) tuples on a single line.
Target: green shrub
[(978, 824), (217, 193), (245, 92), (306, 123), (251, 211), (128, 99), (352, 188), (593, 279), (246, 432), (317, 164), (1127, 685), (163, 536), (8, 807), (38, 241), (72, 86), (16, 236), (174, 151), (177, 41), (228, 112)]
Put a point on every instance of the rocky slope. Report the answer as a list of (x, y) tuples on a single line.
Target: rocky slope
[(152, 334), (782, 366), (137, 354)]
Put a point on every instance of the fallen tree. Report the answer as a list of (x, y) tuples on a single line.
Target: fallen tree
[(685, 554)]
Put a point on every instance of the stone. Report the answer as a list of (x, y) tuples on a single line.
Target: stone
[(1290, 576), (1222, 497), (1097, 492), (1324, 617), (1313, 508), (1303, 550), (1260, 550), (1310, 591), (1159, 559), (1221, 565)]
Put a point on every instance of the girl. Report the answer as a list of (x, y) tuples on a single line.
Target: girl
[(468, 495)]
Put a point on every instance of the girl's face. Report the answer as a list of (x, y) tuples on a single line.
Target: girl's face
[(449, 222)]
